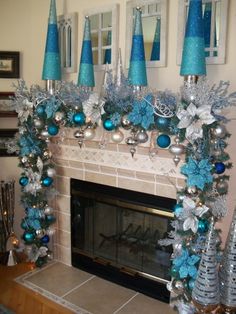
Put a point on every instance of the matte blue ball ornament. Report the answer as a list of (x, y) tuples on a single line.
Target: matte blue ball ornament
[(23, 181), (28, 237), (163, 140), (53, 129), (108, 125), (45, 239), (40, 110), (79, 118), (203, 226), (162, 123), (219, 167), (47, 181)]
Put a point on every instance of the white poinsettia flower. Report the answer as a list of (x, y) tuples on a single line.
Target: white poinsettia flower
[(93, 108), (191, 223), (201, 210)]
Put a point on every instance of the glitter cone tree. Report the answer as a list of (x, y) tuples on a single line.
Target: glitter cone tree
[(228, 271), (206, 295)]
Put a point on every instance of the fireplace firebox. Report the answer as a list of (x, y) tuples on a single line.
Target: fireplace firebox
[(115, 233)]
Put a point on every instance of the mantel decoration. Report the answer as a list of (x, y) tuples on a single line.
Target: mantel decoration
[(191, 123)]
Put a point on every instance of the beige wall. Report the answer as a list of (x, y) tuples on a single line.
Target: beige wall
[(23, 26)]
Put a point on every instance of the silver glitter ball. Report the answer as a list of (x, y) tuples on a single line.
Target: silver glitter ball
[(219, 132), (59, 116), (48, 210), (222, 187), (117, 136), (177, 149), (44, 134), (89, 134), (38, 123), (142, 136), (125, 122), (39, 233), (191, 189), (51, 172)]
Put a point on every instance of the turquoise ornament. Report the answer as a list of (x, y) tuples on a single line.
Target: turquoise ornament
[(177, 209), (219, 167), (162, 123), (45, 239), (50, 219), (163, 140), (191, 284), (174, 272), (23, 225), (23, 181), (53, 129), (40, 110), (108, 125), (47, 181), (79, 118), (29, 237), (203, 226)]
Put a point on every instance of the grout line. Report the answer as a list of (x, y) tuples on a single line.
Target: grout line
[(64, 295), (122, 306)]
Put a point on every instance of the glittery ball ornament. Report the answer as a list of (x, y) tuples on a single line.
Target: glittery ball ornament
[(23, 181), (219, 167), (28, 237), (117, 136), (45, 239), (40, 110), (163, 140), (108, 125), (51, 172), (222, 187), (219, 132), (46, 182), (79, 118), (53, 129), (203, 226), (162, 123)]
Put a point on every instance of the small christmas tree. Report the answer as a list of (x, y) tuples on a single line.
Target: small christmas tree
[(228, 270), (206, 295)]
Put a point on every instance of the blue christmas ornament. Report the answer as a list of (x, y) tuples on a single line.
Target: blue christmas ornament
[(45, 239), (40, 110), (163, 140), (177, 209), (203, 226), (219, 167), (23, 224), (50, 219), (23, 181), (28, 237), (162, 123), (108, 125), (47, 181), (79, 118), (191, 284), (53, 129)]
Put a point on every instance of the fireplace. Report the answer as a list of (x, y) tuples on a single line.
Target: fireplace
[(115, 233)]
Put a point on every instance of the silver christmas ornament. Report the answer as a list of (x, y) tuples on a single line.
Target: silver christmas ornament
[(48, 210), (51, 172), (125, 122), (117, 136), (24, 159), (79, 134), (50, 231), (219, 132), (142, 136), (132, 151), (59, 116), (177, 149), (44, 134), (38, 123), (177, 286), (191, 189), (39, 233), (131, 141), (222, 187), (50, 255), (89, 133)]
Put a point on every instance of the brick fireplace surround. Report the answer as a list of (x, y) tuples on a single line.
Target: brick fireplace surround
[(111, 166)]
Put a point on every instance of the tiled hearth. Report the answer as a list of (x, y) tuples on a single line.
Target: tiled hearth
[(111, 166)]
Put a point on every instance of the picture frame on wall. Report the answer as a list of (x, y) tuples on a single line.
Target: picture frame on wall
[(9, 64), (5, 136), (6, 110)]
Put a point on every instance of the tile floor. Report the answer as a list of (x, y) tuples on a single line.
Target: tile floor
[(88, 294)]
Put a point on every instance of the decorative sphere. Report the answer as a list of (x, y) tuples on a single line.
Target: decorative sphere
[(203, 225), (163, 140), (23, 224), (23, 181), (108, 125), (40, 110), (142, 136), (39, 233), (174, 272), (191, 189), (178, 286), (89, 134), (79, 118), (125, 122), (45, 239), (50, 219), (109, 107), (162, 123), (191, 284), (48, 210), (44, 133), (79, 134), (131, 141), (219, 131), (177, 209), (28, 237), (117, 136), (222, 187), (51, 172), (59, 116), (47, 181), (53, 129), (177, 149), (50, 255), (219, 167), (38, 123)]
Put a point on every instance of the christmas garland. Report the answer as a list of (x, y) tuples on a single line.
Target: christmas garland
[(195, 120)]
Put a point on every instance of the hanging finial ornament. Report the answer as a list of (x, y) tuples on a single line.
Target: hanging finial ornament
[(177, 149)]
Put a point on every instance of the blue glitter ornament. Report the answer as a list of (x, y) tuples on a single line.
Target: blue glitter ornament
[(47, 181), (79, 118), (40, 110), (203, 226), (219, 167), (45, 239), (53, 129), (191, 284), (50, 219), (23, 181), (162, 123), (28, 237), (163, 140), (108, 125)]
